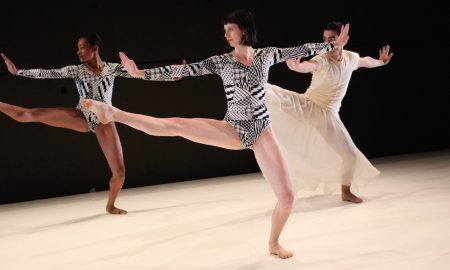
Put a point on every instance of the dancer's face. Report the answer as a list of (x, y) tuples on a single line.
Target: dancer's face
[(329, 36), (86, 51), (233, 34)]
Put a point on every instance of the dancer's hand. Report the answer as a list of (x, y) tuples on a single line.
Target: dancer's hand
[(130, 66), (385, 56), (10, 65), (182, 63), (293, 63), (343, 38)]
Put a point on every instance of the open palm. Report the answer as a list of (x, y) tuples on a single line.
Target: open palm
[(129, 65), (10, 65), (343, 38), (385, 56)]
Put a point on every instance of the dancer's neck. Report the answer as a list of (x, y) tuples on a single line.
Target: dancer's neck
[(245, 54), (96, 64), (337, 54)]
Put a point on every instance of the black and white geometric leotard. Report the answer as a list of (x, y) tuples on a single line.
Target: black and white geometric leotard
[(89, 85), (244, 85)]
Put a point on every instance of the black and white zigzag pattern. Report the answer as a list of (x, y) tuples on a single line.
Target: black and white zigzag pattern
[(243, 85)]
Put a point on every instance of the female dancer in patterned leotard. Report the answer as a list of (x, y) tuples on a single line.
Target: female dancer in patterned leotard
[(94, 79)]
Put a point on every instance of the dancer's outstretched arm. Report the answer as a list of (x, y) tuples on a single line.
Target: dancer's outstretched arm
[(383, 59), (65, 72), (209, 66), (122, 72), (301, 67)]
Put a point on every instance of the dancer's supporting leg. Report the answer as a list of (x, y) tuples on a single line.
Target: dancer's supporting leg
[(343, 145), (109, 141)]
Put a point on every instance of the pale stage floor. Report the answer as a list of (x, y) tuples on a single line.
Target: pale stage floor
[(224, 223)]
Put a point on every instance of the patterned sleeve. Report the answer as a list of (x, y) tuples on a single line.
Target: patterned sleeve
[(122, 72), (65, 72), (305, 50), (212, 65)]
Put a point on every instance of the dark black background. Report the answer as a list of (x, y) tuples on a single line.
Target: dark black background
[(397, 109)]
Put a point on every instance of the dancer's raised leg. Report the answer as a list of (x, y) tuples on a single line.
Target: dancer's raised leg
[(205, 131), (69, 118)]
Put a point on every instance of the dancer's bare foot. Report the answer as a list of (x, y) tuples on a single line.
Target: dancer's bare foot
[(278, 250), (103, 111), (348, 196), (352, 198), (115, 211)]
